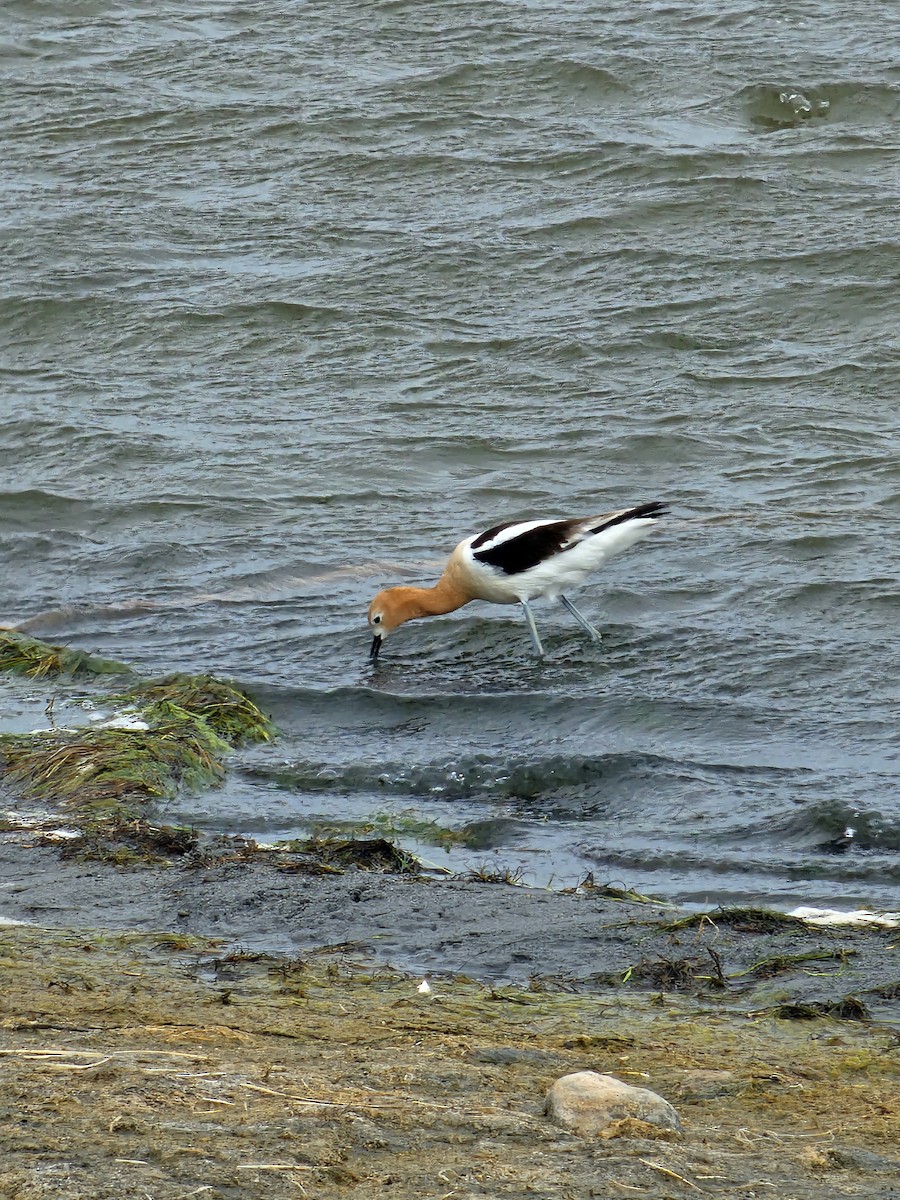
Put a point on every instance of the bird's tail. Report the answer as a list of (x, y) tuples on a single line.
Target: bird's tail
[(648, 512)]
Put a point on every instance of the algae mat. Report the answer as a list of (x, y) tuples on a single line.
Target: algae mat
[(160, 1067), (150, 742)]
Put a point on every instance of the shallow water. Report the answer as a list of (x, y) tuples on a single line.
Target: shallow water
[(297, 296)]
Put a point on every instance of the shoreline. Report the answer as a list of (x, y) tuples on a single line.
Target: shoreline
[(495, 932), (185, 1016)]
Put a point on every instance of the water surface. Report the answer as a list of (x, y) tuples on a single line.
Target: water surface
[(296, 296)]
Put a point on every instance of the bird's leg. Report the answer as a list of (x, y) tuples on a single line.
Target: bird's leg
[(532, 629), (593, 634)]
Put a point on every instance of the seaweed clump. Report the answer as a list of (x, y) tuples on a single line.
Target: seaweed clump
[(849, 1008), (25, 655), (112, 770), (226, 709), (777, 964), (744, 920), (137, 842), (689, 974), (366, 854), (169, 735)]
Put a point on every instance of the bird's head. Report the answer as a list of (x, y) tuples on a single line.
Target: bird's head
[(389, 609)]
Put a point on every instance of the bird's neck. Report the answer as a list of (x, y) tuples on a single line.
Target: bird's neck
[(446, 596)]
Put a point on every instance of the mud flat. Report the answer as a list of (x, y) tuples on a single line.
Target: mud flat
[(291, 902)]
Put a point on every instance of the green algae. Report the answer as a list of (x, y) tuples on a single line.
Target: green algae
[(163, 737), (224, 707), (25, 655)]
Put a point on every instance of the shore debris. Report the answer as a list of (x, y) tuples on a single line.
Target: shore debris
[(745, 920)]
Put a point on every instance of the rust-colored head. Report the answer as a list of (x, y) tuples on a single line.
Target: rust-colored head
[(391, 608), (395, 605)]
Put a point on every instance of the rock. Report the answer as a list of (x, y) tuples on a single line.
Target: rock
[(587, 1102), (507, 1056), (865, 1160)]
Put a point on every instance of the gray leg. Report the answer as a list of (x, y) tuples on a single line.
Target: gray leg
[(593, 634), (532, 628)]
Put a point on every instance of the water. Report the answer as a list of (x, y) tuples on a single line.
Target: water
[(296, 296)]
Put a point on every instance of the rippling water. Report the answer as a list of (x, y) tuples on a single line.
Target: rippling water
[(296, 296)]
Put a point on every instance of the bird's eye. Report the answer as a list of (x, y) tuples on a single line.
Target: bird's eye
[(376, 620)]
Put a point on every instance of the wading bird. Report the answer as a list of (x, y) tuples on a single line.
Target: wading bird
[(515, 563)]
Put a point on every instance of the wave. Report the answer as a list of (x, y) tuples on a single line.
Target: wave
[(565, 78), (838, 828), (771, 107), (486, 775), (693, 864)]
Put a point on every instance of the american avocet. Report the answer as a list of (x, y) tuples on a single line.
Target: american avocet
[(514, 563)]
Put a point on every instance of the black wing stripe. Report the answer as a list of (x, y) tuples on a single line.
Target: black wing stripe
[(521, 553), (492, 533), (528, 549)]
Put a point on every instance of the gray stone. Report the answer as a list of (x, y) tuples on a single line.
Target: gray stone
[(587, 1102)]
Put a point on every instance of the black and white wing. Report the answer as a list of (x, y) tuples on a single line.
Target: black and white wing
[(519, 546)]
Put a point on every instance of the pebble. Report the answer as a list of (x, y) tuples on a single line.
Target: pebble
[(587, 1103)]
